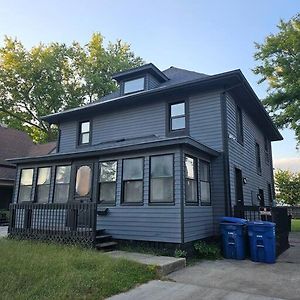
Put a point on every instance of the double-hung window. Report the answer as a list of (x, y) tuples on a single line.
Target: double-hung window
[(84, 136), (132, 184), (191, 180), (258, 159), (161, 179), (204, 177), (62, 184), (25, 185), (177, 116), (43, 184), (107, 182)]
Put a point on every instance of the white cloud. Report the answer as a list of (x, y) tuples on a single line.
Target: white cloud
[(291, 164)]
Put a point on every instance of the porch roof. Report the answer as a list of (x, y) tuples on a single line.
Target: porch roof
[(119, 147)]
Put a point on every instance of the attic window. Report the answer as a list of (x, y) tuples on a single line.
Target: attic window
[(134, 85)]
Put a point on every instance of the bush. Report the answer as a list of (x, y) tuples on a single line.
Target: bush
[(209, 251), (180, 253)]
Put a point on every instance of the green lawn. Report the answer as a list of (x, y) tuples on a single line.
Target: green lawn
[(32, 270), (295, 225)]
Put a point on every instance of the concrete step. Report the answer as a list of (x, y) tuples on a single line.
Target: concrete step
[(164, 264)]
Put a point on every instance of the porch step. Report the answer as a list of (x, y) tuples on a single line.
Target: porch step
[(102, 238), (100, 232), (106, 246)]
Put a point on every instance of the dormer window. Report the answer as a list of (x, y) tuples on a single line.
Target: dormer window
[(135, 85)]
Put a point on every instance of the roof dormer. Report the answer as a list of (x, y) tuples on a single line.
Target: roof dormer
[(139, 79)]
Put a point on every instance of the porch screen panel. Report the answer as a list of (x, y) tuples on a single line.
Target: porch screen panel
[(191, 180), (43, 184), (132, 185), (107, 182), (62, 184), (161, 179), (204, 169), (25, 185)]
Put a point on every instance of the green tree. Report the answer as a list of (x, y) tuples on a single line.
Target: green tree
[(50, 78), (287, 187), (279, 58)]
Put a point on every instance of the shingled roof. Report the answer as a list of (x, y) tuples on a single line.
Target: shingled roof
[(16, 143)]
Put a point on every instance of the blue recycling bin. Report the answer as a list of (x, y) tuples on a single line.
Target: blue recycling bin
[(262, 241), (234, 233)]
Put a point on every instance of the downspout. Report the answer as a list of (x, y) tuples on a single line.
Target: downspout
[(228, 207)]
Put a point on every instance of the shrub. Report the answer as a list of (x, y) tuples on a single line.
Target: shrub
[(180, 253), (209, 251)]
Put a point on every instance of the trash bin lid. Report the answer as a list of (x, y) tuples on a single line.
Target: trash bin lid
[(261, 223), (233, 220)]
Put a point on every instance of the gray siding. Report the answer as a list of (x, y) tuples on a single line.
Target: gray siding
[(147, 222), (243, 156), (133, 122), (205, 119), (151, 82), (198, 220)]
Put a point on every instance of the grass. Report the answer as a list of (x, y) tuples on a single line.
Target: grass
[(32, 270), (295, 225)]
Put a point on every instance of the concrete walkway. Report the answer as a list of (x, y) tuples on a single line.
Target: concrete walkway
[(3, 231), (228, 279), (165, 264)]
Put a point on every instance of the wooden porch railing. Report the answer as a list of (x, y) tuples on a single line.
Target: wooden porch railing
[(72, 223), (277, 215)]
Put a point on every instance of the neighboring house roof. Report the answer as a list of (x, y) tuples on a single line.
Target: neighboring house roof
[(122, 146), (180, 81), (16, 143)]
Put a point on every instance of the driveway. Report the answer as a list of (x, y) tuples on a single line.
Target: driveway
[(228, 279)]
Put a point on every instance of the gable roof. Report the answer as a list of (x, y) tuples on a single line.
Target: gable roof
[(181, 81)]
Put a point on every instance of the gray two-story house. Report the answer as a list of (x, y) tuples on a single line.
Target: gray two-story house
[(161, 159)]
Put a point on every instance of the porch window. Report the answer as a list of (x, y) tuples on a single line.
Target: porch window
[(107, 182), (258, 159), (43, 184), (83, 181), (161, 179), (191, 180), (25, 185), (132, 185), (84, 133), (204, 183), (62, 184), (177, 116)]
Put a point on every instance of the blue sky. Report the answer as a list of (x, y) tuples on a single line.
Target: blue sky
[(204, 36)]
